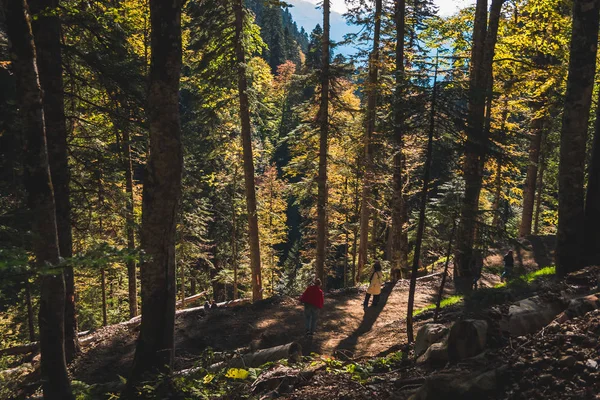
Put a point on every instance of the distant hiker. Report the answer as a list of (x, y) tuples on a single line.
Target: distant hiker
[(313, 299), (476, 267), (206, 305), (213, 305), (509, 263), (375, 283)]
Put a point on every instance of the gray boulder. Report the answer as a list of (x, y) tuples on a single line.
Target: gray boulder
[(436, 355), (467, 338), (453, 387), (530, 315), (427, 335)]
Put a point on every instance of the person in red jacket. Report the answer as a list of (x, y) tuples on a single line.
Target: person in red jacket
[(313, 299)]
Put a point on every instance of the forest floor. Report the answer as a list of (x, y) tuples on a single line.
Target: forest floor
[(344, 330)]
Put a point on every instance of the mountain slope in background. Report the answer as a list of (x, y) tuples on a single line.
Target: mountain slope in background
[(307, 15)]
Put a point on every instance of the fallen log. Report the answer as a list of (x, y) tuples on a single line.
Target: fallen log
[(31, 347), (20, 370), (225, 304), (191, 298), (430, 276), (17, 350), (291, 351)]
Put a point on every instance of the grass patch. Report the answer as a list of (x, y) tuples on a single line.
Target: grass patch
[(501, 293), (448, 301), (546, 272), (508, 291)]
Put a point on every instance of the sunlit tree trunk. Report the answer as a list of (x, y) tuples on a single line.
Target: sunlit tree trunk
[(323, 116), (371, 118), (238, 6), (40, 197), (482, 54), (537, 127), (592, 205), (47, 34), (580, 82), (162, 192)]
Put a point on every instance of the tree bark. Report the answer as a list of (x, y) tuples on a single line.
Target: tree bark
[(47, 35), (323, 117), (580, 82), (421, 226), (592, 205), (482, 54), (40, 199), (161, 196), (370, 122), (238, 8), (537, 127)]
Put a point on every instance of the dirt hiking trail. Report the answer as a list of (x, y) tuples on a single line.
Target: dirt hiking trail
[(344, 329)]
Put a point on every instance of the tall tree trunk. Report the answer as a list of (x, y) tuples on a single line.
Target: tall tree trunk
[(445, 275), (421, 226), (374, 226), (537, 127), (40, 199), (356, 227), (498, 177), (103, 290), (238, 8), (540, 191), (323, 116), (162, 192), (182, 284), (30, 321), (371, 90), (582, 67), (399, 237), (130, 224), (47, 34), (592, 205), (234, 252), (346, 208), (482, 54)]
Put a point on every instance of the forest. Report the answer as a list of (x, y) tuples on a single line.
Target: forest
[(160, 156)]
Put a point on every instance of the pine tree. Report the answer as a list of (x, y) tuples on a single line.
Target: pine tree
[(162, 191), (323, 118), (370, 123), (41, 202)]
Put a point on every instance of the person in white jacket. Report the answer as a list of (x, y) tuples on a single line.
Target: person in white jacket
[(374, 285)]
